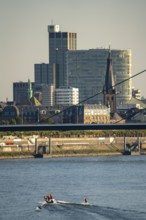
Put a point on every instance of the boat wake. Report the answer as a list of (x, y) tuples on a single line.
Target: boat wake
[(69, 210), (58, 202)]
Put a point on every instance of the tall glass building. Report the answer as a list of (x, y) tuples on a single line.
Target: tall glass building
[(41, 73), (86, 69), (59, 43)]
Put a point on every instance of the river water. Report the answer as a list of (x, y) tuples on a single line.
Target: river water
[(115, 188)]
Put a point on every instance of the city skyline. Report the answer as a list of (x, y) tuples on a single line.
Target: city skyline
[(98, 23)]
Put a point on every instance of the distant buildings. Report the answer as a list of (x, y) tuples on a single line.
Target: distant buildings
[(59, 43), (82, 69), (136, 93), (87, 114), (44, 93), (77, 76), (9, 112), (41, 73), (86, 70), (53, 74), (66, 96), (21, 92)]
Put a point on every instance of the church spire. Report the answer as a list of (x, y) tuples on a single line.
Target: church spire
[(109, 90), (109, 77)]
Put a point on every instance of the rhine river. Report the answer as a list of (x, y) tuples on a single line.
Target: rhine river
[(115, 188)]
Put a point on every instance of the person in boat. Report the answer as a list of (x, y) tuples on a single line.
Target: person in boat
[(48, 198), (51, 197)]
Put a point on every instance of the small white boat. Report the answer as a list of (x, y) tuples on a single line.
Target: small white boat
[(50, 201), (54, 201)]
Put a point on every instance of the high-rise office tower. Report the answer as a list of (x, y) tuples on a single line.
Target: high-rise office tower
[(59, 43), (86, 70), (41, 73)]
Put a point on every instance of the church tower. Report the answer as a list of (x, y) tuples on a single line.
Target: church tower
[(109, 92)]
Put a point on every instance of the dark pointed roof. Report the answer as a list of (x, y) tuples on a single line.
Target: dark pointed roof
[(109, 77)]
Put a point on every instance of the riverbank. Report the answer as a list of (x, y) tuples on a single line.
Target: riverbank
[(68, 147), (60, 155)]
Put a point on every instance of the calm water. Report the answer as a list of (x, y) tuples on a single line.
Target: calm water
[(114, 186)]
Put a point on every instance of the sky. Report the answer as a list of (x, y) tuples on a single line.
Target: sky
[(98, 23)]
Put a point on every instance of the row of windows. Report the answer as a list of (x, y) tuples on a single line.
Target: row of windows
[(20, 85), (96, 117), (62, 35), (97, 113), (9, 114)]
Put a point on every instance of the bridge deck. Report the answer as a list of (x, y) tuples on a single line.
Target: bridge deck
[(69, 127)]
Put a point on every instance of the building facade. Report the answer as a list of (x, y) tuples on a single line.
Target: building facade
[(45, 94), (136, 93), (66, 96), (41, 73), (9, 112), (59, 43), (87, 114), (86, 69), (21, 92)]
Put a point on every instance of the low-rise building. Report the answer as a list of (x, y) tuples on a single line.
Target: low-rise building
[(87, 114), (21, 92), (9, 112), (136, 93)]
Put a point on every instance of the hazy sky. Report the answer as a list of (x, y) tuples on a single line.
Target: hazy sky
[(98, 23)]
